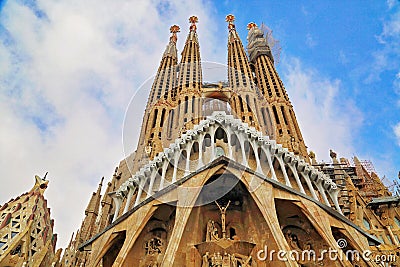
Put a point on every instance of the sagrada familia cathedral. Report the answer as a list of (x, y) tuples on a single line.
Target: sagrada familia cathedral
[(221, 177)]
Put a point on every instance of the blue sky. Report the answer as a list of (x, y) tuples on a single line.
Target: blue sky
[(354, 42), (68, 70)]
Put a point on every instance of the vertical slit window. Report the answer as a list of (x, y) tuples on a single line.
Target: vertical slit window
[(241, 104), (171, 124), (276, 115), (179, 111), (284, 115), (248, 103), (162, 118), (155, 118), (186, 104)]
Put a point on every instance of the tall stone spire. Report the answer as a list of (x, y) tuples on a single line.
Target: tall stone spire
[(161, 94), (287, 129), (91, 212), (240, 78), (239, 73), (166, 75), (190, 74), (72, 256), (188, 95)]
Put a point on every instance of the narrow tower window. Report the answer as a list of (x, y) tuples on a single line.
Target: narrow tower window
[(186, 104), (179, 112), (171, 123), (155, 118), (276, 115), (162, 117), (284, 115), (241, 104), (248, 103)]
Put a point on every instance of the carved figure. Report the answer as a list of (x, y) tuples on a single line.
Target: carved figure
[(212, 231), (332, 154), (206, 260), (223, 217), (153, 246), (218, 260), (226, 260), (213, 258)]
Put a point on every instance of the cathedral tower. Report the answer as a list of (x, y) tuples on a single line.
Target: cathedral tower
[(160, 100), (189, 84), (190, 75), (246, 101), (287, 129)]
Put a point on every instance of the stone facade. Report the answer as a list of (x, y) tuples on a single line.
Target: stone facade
[(221, 177)]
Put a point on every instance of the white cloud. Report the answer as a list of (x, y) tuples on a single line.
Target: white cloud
[(396, 130), (327, 120), (387, 56), (391, 28), (391, 3), (70, 68), (310, 41), (305, 11)]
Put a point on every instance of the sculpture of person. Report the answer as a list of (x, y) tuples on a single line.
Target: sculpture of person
[(223, 217), (218, 260), (210, 228), (206, 262), (226, 260), (212, 231), (213, 259)]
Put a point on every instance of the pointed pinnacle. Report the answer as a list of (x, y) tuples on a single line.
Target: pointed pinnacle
[(230, 19), (174, 29), (193, 20), (251, 25)]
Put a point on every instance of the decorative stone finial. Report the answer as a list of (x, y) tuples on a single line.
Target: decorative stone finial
[(251, 25), (174, 29), (332, 154), (230, 19), (193, 20), (40, 183)]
